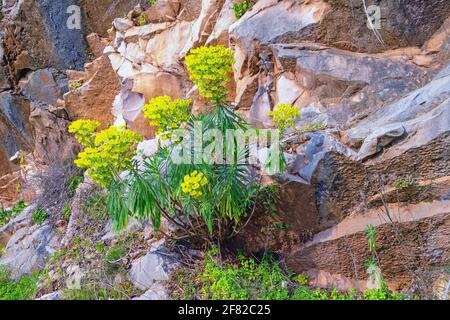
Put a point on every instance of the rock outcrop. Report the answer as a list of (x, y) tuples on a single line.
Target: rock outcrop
[(27, 244)]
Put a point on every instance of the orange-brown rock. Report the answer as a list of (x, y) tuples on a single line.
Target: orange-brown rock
[(96, 44), (160, 84), (94, 99)]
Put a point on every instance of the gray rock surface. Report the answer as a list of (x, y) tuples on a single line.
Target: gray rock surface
[(57, 295), (28, 249), (155, 267), (157, 291), (424, 114), (147, 270)]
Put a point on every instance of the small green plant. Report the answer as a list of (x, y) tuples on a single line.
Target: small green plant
[(281, 226), (269, 198), (84, 131), (241, 8), (167, 115), (151, 2), (315, 127), (210, 69), (381, 292), (117, 252), (67, 211), (96, 205), (7, 215), (23, 289), (265, 280), (284, 116), (39, 216), (74, 182), (301, 280), (75, 85), (107, 152), (2, 249), (142, 19), (95, 292), (247, 280), (404, 182), (100, 246), (371, 233)]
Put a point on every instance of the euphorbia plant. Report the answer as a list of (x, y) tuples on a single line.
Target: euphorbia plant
[(204, 198), (107, 152), (212, 196), (284, 117)]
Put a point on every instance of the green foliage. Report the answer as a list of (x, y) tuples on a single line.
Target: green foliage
[(219, 191), (269, 197), (315, 127), (7, 215), (84, 131), (142, 19), (23, 289), (247, 279), (151, 2), (404, 182), (39, 216), (382, 291), (74, 182), (284, 116), (95, 292), (158, 187), (96, 205), (115, 253), (107, 152), (75, 85), (210, 69), (301, 280), (371, 233), (305, 293), (167, 115), (241, 8), (2, 249), (382, 294), (157, 190), (67, 211)]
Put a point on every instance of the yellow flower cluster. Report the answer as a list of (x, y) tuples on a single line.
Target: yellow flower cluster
[(84, 131), (210, 69), (284, 116), (108, 152), (167, 115), (193, 184)]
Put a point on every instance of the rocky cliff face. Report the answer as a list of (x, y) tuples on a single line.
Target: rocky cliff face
[(379, 100)]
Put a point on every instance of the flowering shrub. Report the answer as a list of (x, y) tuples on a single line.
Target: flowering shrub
[(284, 116), (193, 184), (166, 114), (213, 197), (107, 153), (84, 131), (210, 69)]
